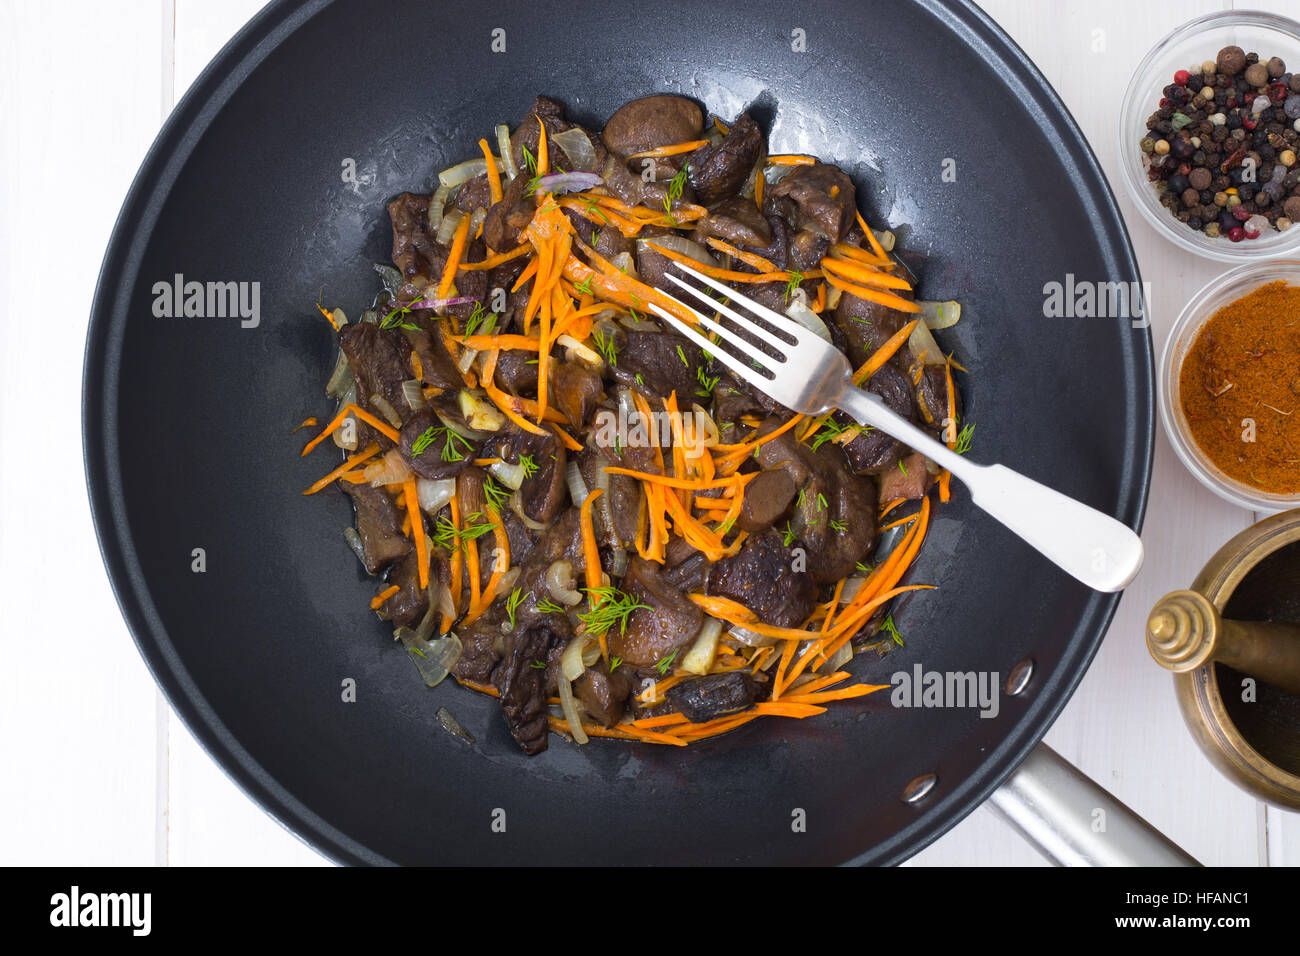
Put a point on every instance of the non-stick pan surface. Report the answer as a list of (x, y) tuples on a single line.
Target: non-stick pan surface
[(188, 420)]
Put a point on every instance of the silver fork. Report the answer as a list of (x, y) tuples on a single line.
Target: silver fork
[(812, 376)]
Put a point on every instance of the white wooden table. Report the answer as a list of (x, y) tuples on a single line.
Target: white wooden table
[(96, 770)]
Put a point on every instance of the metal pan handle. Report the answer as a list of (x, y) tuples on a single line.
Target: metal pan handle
[(1074, 822)]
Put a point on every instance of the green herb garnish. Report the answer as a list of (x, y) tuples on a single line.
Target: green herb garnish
[(681, 354), (962, 444), (585, 285), (608, 606), (665, 663), (512, 605), (788, 536), (605, 345), (796, 277), (839, 525), (529, 466), (529, 160), (496, 495), (550, 607), (890, 628)]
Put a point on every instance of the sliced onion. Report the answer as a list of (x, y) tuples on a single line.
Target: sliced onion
[(810, 320), (386, 409), (466, 360), (923, 346), (568, 182), (512, 476), (559, 584), (517, 506), (476, 219), (437, 209), (577, 146), (413, 393), (433, 659), (462, 172), (508, 580), (443, 303), (618, 562), (940, 315), (447, 228), (389, 470), (577, 486), (839, 658), (446, 606), (507, 158), (749, 638), (581, 653), (340, 378), (390, 277), (433, 494), (626, 264), (354, 542), (453, 727), (685, 246), (885, 238), (569, 705), (480, 414), (851, 587), (700, 657), (349, 397), (577, 352), (833, 297)]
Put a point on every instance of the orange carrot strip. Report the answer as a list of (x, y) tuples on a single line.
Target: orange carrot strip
[(873, 295), (453, 258), (491, 262), (417, 526), (591, 558), (876, 247), (494, 176), (342, 470), (543, 151), (378, 600), (858, 272), (501, 400), (791, 159), (675, 149)]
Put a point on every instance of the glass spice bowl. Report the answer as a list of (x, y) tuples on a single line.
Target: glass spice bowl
[(1220, 292), (1193, 43)]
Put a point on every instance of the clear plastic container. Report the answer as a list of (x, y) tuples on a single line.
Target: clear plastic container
[(1192, 44), (1223, 291)]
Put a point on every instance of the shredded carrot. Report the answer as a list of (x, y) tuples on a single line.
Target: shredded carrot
[(453, 258), (663, 720), (672, 482), (883, 354), (501, 400), (491, 262), (745, 449), (309, 422), (819, 303), (417, 527), (760, 182), (860, 272), (876, 247), (675, 149), (494, 176), (343, 469), (329, 316), (845, 251), (591, 558), (352, 409), (475, 685), (845, 693), (378, 600), (624, 290), (758, 262), (543, 152), (728, 275), (872, 295), (791, 159)]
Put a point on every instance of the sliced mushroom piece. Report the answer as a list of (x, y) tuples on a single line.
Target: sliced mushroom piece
[(767, 497)]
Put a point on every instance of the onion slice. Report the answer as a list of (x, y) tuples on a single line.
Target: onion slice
[(434, 494), (700, 657), (940, 315), (433, 659), (568, 182), (462, 172), (577, 146), (507, 159), (569, 705)]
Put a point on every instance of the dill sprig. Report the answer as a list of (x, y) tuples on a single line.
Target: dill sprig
[(964, 437), (529, 466), (512, 604), (608, 606), (447, 535), (605, 345)]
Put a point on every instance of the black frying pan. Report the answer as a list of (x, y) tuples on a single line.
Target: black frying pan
[(187, 421)]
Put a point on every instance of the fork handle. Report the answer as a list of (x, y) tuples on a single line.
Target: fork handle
[(1093, 547)]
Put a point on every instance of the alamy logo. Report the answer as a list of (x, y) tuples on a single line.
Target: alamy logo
[(922, 688), (102, 909), (1102, 300), (208, 300)]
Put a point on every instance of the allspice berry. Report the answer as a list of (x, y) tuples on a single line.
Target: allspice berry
[(1257, 74), (1200, 178), (1231, 60), (1292, 208), (1276, 67)]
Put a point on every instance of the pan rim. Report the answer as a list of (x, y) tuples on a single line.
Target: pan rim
[(169, 153)]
